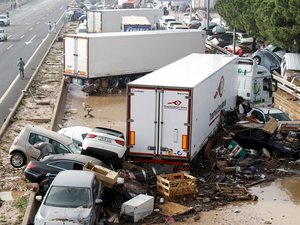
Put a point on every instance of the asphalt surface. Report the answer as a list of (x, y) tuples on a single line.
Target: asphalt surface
[(28, 37)]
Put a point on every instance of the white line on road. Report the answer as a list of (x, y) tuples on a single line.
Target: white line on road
[(31, 28), (17, 77), (9, 36), (30, 41), (9, 47), (22, 36)]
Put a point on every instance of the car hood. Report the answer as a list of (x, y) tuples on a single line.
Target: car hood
[(57, 214)]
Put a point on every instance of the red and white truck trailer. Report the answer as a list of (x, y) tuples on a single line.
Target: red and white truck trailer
[(172, 111)]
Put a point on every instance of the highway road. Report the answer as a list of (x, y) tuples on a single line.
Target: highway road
[(28, 38)]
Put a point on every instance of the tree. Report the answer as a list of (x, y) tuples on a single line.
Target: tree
[(276, 21)]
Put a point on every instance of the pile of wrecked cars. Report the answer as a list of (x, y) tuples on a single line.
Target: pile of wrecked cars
[(194, 151)]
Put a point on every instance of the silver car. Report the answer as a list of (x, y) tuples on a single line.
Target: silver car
[(24, 147), (70, 200), (267, 59)]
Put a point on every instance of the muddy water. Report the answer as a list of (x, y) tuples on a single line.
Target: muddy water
[(278, 204), (109, 110)]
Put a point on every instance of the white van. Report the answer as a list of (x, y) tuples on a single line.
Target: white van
[(290, 66)]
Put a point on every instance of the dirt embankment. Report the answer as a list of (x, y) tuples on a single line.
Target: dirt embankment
[(36, 108)]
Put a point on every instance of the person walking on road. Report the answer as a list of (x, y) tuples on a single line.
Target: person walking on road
[(21, 66), (49, 26)]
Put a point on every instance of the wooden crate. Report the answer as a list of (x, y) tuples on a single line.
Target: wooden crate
[(106, 176), (175, 185)]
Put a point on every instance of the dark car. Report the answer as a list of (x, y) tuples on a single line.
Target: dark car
[(257, 139), (36, 171)]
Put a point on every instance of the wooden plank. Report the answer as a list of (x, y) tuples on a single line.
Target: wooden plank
[(271, 126)]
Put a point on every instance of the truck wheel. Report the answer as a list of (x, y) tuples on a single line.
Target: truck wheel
[(114, 82), (17, 159), (126, 81)]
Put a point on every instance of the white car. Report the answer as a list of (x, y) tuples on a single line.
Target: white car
[(4, 20), (170, 24), (180, 27), (164, 20), (105, 143), (3, 35), (74, 197), (75, 133), (263, 114)]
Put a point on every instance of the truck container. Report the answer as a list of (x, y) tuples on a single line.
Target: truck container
[(125, 55), (110, 20), (135, 23), (172, 111)]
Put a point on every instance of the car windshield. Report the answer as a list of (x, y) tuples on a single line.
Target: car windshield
[(109, 131), (74, 148), (278, 116), (69, 197)]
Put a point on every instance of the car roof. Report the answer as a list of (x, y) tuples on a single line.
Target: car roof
[(78, 129), (72, 156), (74, 178), (48, 133), (270, 110)]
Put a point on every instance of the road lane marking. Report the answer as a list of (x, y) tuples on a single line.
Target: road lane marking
[(9, 36), (31, 28), (9, 47), (22, 36), (30, 41), (17, 77)]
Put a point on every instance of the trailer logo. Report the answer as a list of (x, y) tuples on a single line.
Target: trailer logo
[(220, 88), (177, 103)]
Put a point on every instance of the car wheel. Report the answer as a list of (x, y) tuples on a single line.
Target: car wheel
[(17, 159), (257, 60)]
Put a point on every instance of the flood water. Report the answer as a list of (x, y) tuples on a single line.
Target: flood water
[(278, 203)]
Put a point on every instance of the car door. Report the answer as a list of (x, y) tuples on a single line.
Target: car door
[(33, 139), (59, 147)]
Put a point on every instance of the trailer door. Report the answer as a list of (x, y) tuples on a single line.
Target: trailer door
[(142, 121), (76, 56), (158, 122), (174, 123)]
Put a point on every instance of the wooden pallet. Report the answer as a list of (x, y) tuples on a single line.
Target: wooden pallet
[(106, 176), (175, 185)]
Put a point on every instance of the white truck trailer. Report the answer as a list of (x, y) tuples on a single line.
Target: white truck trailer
[(110, 20), (172, 112), (135, 23), (123, 56)]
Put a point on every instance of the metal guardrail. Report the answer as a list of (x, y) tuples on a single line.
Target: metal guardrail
[(286, 85)]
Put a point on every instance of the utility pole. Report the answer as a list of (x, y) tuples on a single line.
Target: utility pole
[(207, 15)]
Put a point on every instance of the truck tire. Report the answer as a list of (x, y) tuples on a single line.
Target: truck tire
[(126, 80), (114, 82)]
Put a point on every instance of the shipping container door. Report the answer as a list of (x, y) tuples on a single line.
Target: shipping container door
[(174, 123), (76, 56), (142, 121)]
